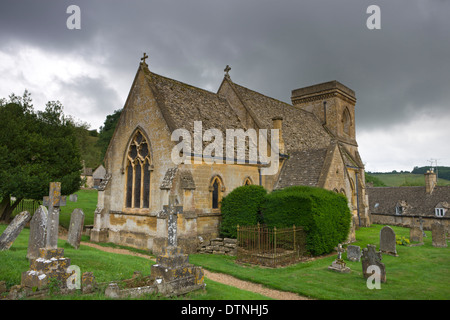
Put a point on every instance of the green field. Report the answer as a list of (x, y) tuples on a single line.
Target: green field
[(405, 179)]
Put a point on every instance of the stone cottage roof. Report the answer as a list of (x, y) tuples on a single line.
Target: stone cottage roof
[(383, 200)]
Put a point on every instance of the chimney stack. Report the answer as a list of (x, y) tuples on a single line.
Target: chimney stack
[(430, 181), (278, 124)]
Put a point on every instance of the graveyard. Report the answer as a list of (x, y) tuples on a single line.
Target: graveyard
[(415, 272)]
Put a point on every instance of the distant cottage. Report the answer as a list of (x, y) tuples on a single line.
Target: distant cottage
[(403, 206), (317, 148)]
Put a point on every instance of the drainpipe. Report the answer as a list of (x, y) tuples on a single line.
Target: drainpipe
[(357, 199)]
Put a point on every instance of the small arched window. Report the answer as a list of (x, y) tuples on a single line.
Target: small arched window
[(346, 121), (248, 181), (138, 173), (216, 189)]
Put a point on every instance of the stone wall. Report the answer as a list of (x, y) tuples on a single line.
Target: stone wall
[(224, 246), (406, 221)]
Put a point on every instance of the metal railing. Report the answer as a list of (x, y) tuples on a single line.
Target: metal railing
[(270, 247)]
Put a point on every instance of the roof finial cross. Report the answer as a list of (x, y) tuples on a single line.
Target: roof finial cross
[(144, 57), (227, 69)]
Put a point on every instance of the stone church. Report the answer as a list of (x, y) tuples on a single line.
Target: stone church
[(317, 147)]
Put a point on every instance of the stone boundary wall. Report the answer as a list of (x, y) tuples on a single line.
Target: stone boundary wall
[(226, 246), (407, 221)]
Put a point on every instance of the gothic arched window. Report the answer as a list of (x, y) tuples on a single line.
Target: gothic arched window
[(248, 181), (138, 173), (216, 189), (346, 121)]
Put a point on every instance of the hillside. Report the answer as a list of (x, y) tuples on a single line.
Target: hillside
[(402, 179)]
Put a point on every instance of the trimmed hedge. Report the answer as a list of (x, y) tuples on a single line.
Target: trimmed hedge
[(324, 215), (242, 206)]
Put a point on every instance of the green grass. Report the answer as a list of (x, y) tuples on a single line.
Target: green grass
[(87, 201), (405, 179), (106, 267), (418, 273)]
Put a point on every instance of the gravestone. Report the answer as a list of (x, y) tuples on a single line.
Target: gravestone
[(354, 253), (51, 263), (416, 233), (339, 265), (54, 201), (172, 273), (73, 197), (75, 228), (387, 241), (13, 230), (370, 257), (438, 235), (38, 227)]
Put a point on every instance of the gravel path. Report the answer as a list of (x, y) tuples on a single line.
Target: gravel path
[(218, 277)]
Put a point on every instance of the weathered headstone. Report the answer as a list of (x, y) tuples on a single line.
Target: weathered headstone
[(387, 241), (73, 197), (339, 265), (416, 233), (354, 253), (51, 263), (38, 227), (13, 230), (54, 201), (75, 228), (438, 235), (370, 257)]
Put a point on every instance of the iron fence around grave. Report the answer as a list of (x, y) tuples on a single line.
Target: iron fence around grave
[(270, 247), (27, 205)]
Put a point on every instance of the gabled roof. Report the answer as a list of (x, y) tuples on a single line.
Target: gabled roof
[(301, 129), (383, 200)]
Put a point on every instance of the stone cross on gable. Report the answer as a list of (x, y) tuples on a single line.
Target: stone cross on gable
[(54, 201), (144, 57), (227, 69), (172, 210)]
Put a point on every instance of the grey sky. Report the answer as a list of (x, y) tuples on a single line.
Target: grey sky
[(401, 73)]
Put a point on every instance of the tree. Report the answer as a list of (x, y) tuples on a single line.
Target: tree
[(107, 131), (35, 149)]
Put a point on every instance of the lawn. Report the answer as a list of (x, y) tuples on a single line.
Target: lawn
[(106, 267), (417, 273)]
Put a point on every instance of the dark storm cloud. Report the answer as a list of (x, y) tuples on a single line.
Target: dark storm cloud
[(273, 47)]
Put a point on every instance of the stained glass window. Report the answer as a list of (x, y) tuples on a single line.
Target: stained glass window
[(138, 173)]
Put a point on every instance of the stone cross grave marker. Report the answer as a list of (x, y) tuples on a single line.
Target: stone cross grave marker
[(75, 228), (387, 241), (420, 220), (38, 228), (438, 235), (54, 201), (13, 230), (339, 265), (370, 257), (172, 210)]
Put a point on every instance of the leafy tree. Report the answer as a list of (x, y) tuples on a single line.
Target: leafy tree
[(107, 131), (35, 149)]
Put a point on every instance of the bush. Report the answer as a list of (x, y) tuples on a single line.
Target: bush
[(242, 206), (324, 215)]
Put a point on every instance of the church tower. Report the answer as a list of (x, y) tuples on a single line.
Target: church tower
[(333, 104)]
